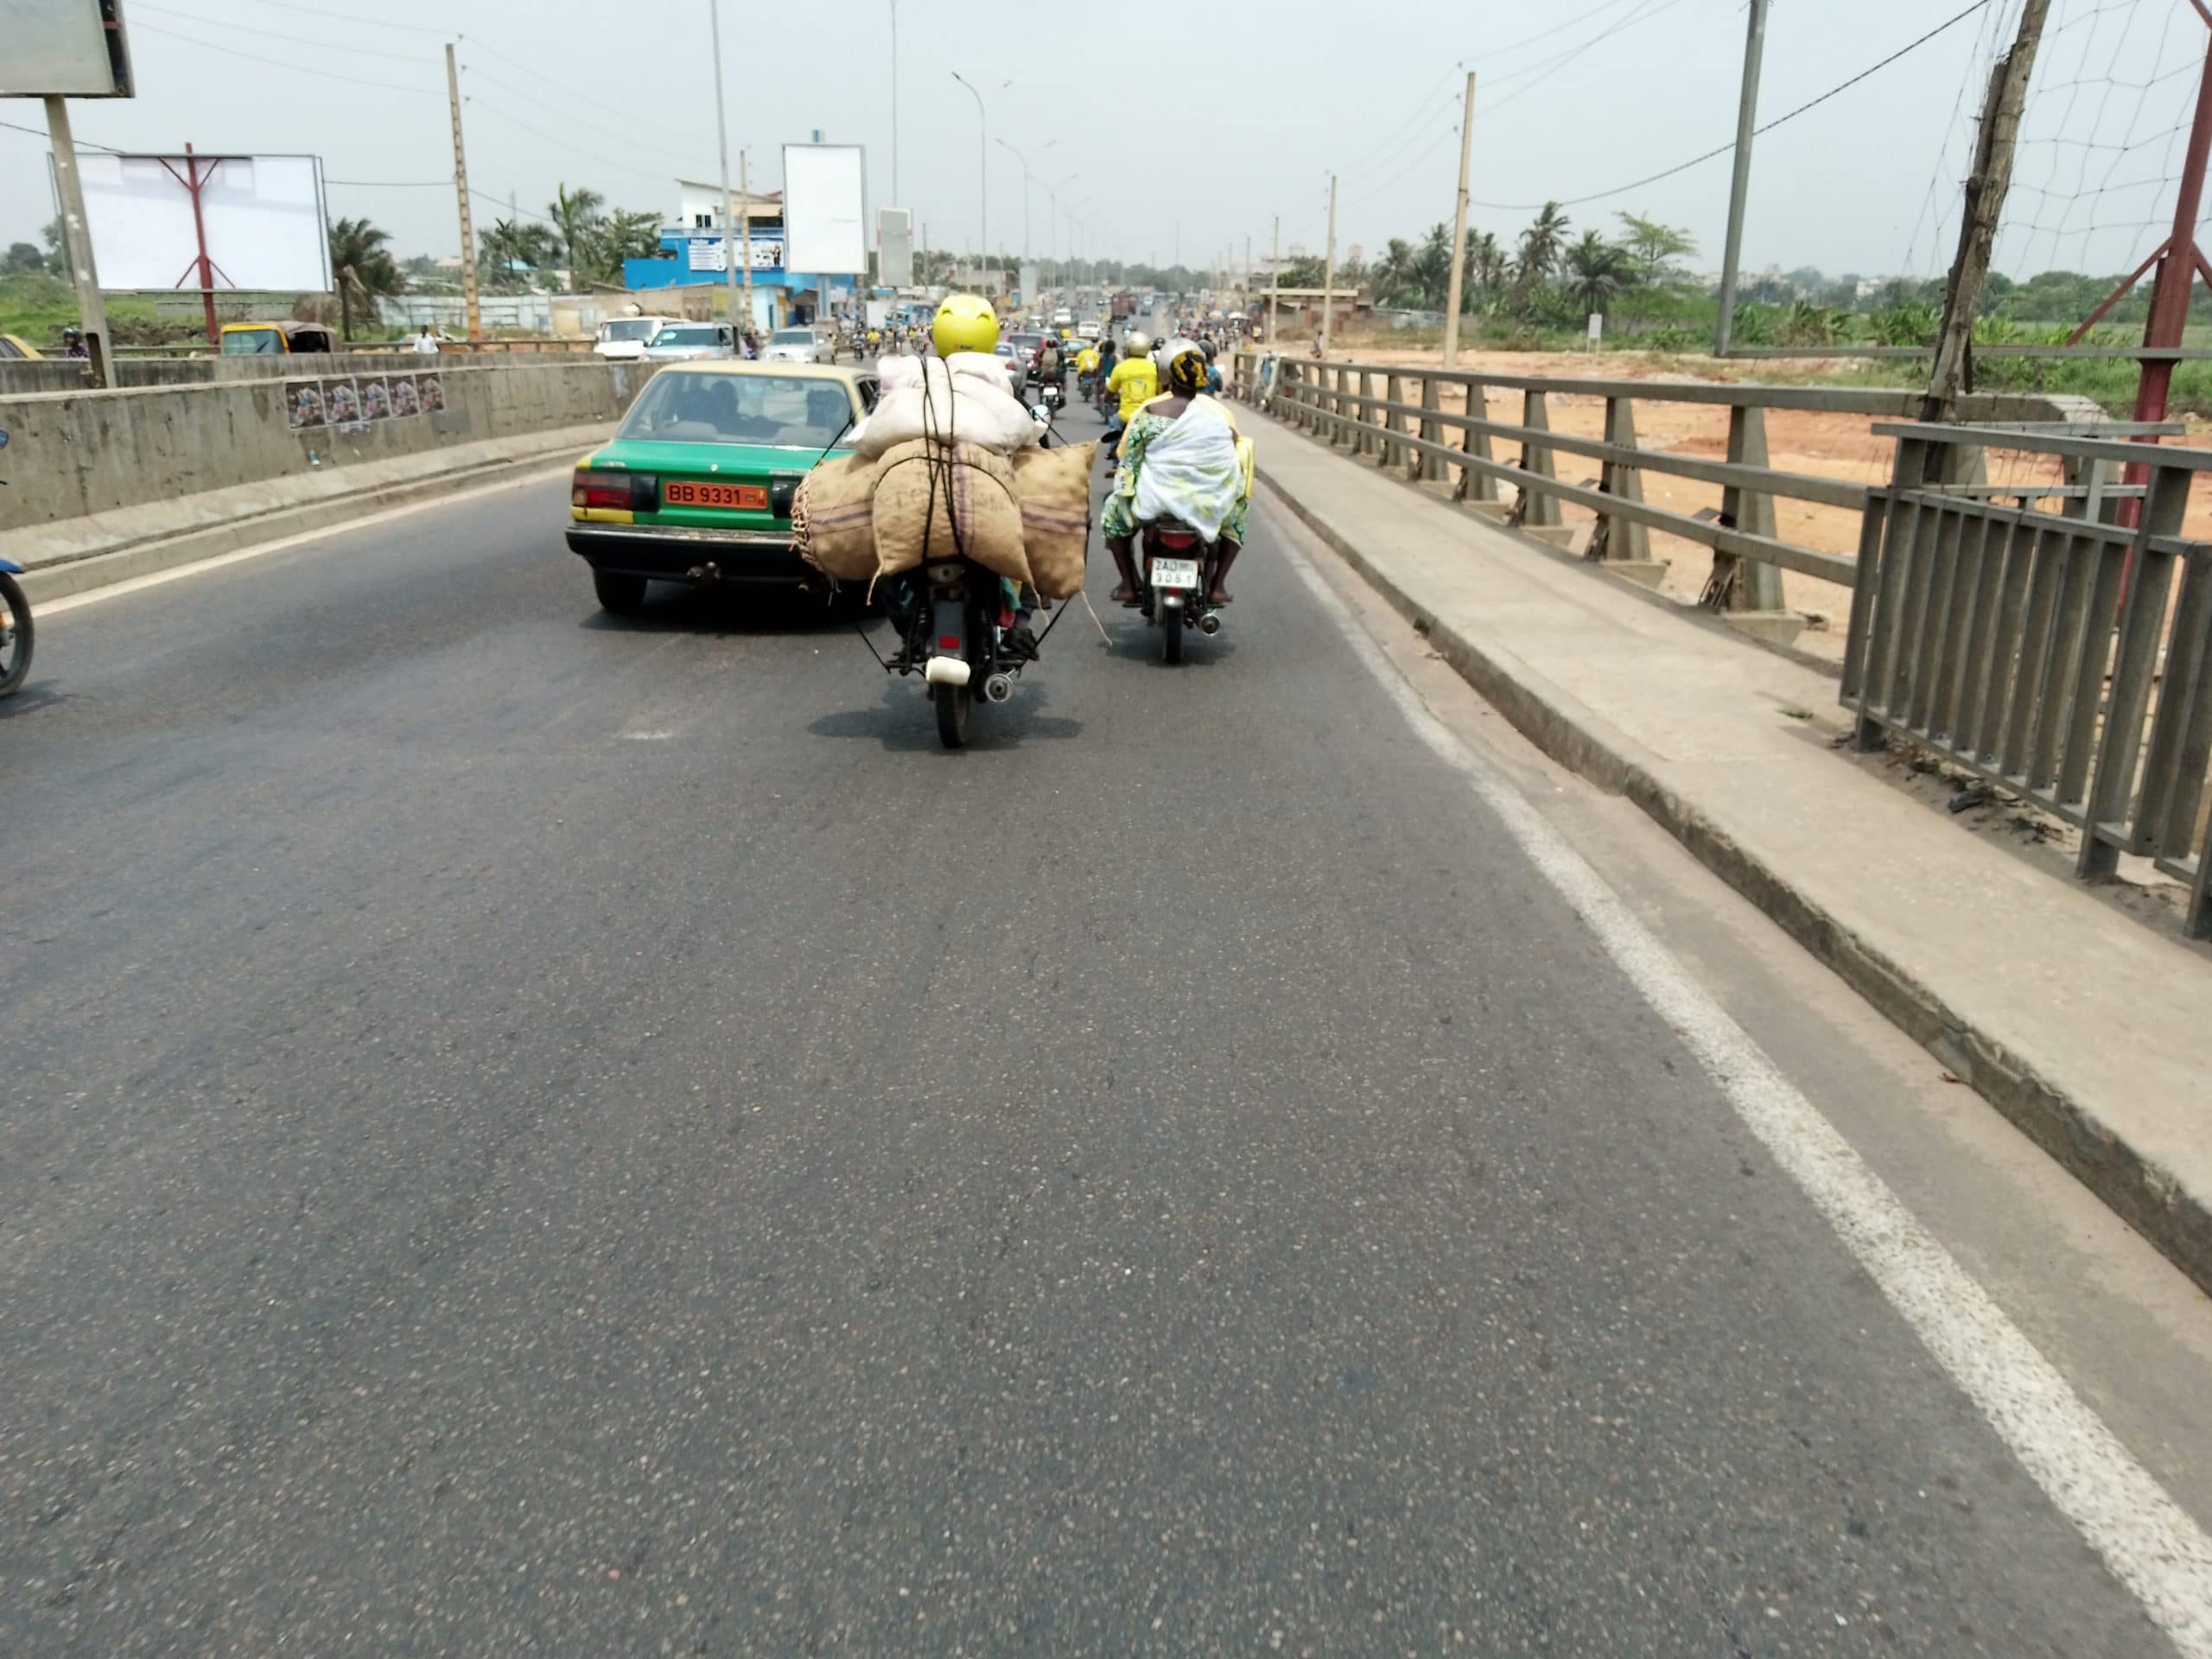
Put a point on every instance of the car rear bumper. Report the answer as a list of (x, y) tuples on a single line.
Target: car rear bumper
[(667, 553)]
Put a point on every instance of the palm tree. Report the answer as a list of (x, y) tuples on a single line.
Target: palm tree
[(627, 235), (576, 214), (1394, 271), (1486, 263), (360, 267), (508, 249), (1597, 268), (1541, 243)]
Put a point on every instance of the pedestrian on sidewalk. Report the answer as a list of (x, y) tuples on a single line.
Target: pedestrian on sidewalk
[(426, 343)]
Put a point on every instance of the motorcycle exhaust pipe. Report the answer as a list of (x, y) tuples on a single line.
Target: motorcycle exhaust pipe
[(998, 689), (1209, 624)]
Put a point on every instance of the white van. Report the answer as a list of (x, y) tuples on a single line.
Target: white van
[(626, 337)]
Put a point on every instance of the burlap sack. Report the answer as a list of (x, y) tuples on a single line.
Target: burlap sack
[(1053, 489), (922, 491), (833, 518)]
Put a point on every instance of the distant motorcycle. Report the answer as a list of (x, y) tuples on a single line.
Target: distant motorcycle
[(15, 633)]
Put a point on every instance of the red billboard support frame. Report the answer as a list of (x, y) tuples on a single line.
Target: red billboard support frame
[(2180, 262), (195, 182)]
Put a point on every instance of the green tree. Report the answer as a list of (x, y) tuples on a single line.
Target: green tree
[(1542, 243), (361, 267), (22, 259), (1596, 270), (628, 234), (1432, 266), (576, 216), (1653, 248), (1394, 271), (511, 252), (1486, 263)]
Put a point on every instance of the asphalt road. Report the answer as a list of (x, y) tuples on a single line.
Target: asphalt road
[(526, 1133)]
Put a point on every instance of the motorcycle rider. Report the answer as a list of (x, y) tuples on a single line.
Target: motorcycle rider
[(1224, 475), (1086, 369), (965, 325), (1052, 363), (1134, 382)]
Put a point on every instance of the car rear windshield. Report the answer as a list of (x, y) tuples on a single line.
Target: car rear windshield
[(779, 411), (628, 328), (791, 337), (706, 336)]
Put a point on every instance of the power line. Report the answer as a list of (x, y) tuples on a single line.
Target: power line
[(1767, 127), (477, 43), (350, 50), (279, 63), (486, 75)]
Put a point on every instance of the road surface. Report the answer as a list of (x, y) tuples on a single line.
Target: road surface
[(532, 1133)]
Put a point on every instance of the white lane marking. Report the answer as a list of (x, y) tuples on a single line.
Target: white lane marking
[(648, 737), (2150, 1542), (53, 607)]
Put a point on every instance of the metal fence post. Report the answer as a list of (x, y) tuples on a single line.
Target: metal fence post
[(1747, 584), (1618, 538), (1535, 510), (2135, 666), (1428, 467)]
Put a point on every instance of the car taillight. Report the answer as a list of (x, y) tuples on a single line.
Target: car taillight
[(625, 492)]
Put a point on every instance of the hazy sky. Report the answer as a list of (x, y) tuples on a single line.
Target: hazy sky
[(1197, 126)]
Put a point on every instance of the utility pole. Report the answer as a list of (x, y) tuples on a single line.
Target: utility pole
[(721, 147), (744, 226), (982, 176), (468, 293), (1985, 190), (77, 240), (1274, 282), (1454, 293), (895, 103), (1328, 269), (1747, 118)]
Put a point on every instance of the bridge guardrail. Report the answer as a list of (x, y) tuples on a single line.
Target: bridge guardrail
[(2061, 655), (2065, 659)]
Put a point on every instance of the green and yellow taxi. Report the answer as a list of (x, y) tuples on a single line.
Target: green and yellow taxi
[(696, 486)]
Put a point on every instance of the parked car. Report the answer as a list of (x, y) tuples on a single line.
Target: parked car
[(624, 337), (805, 345), (679, 342), (697, 484), (15, 346)]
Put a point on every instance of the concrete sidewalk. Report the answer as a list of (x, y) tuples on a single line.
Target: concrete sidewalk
[(2088, 1029)]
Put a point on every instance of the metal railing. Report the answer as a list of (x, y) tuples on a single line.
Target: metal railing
[(2052, 650), (1364, 406), (2064, 657)]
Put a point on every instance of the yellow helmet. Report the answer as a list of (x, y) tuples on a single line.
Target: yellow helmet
[(965, 322)]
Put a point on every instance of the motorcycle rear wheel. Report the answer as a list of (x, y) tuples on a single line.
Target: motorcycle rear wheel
[(17, 664), (1171, 631), (953, 703)]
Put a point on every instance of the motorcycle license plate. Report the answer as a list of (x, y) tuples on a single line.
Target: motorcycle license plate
[(1175, 573)]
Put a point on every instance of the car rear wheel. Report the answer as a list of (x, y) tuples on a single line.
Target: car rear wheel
[(619, 594)]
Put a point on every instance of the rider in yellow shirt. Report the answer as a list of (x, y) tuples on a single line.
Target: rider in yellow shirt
[(1135, 380)]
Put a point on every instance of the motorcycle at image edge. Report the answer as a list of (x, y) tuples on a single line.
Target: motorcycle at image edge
[(15, 621), (1176, 565), (953, 633)]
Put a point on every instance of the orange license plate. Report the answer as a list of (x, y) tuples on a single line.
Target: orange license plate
[(745, 497)]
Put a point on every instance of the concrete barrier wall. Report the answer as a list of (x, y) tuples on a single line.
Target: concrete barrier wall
[(61, 374), (74, 454)]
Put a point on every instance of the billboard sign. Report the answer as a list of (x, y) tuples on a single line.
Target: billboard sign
[(67, 49), (262, 217), (825, 209), (707, 252), (894, 247)]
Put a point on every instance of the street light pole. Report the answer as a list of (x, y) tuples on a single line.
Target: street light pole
[(983, 174), (721, 143), (895, 201)]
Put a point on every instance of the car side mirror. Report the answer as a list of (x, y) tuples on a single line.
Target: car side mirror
[(1042, 413)]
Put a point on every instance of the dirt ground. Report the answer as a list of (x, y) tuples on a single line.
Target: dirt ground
[(1831, 446)]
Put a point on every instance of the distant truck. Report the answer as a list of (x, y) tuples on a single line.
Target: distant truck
[(1123, 304)]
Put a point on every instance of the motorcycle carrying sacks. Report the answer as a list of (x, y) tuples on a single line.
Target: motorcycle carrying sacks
[(1028, 519)]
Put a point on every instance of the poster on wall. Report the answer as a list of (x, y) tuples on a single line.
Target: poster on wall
[(351, 405)]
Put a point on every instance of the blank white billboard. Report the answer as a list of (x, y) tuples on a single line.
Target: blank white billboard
[(825, 209), (894, 247), (70, 48), (262, 216)]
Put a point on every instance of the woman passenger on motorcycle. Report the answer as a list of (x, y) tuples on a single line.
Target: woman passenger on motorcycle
[(1186, 379)]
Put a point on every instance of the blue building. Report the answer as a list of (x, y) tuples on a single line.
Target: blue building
[(697, 249)]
